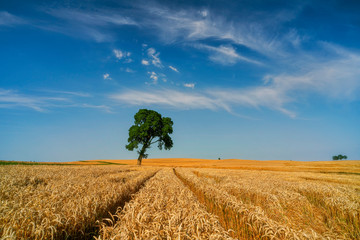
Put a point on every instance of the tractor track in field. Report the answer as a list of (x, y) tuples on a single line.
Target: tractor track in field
[(132, 202), (164, 209), (93, 230), (209, 205)]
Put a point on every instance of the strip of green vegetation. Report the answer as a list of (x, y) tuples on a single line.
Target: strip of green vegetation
[(3, 162), (17, 163)]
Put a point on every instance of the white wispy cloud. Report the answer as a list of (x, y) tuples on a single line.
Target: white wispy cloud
[(154, 77), (191, 25), (154, 57), (335, 79), (168, 98), (189, 85), (145, 62), (99, 18), (225, 55), (78, 94), (13, 99), (121, 54), (163, 77), (255, 30), (8, 19), (72, 93), (129, 70), (106, 76), (124, 56), (214, 99), (118, 53), (174, 69), (104, 108), (88, 24), (187, 25), (255, 97), (204, 13)]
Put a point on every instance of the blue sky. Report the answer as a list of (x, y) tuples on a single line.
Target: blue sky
[(240, 79)]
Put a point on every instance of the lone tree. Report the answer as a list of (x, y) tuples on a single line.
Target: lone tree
[(339, 157), (149, 128)]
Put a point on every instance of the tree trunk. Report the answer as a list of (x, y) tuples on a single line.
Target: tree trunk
[(139, 160), (141, 154)]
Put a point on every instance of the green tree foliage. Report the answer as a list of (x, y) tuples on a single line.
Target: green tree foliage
[(339, 157), (149, 128)]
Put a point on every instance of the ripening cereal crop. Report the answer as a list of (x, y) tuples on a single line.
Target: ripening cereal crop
[(265, 204), (163, 209), (47, 202), (130, 202)]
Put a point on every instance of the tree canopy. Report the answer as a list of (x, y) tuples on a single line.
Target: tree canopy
[(339, 157), (149, 128)]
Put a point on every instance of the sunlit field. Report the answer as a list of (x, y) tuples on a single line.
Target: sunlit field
[(288, 166), (181, 199), (47, 202)]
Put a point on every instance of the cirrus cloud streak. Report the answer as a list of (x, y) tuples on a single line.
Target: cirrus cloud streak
[(336, 79), (169, 98)]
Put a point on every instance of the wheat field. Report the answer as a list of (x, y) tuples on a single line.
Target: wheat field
[(57, 202), (153, 202)]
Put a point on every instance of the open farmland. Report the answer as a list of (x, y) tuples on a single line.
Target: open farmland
[(47, 202), (267, 200), (275, 165)]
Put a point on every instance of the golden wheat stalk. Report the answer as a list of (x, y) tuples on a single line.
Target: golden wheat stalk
[(47, 202), (315, 209), (163, 209)]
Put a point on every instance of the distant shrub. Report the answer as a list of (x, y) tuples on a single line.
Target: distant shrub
[(339, 157)]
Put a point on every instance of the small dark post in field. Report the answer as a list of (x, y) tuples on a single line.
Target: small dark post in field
[(149, 128)]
